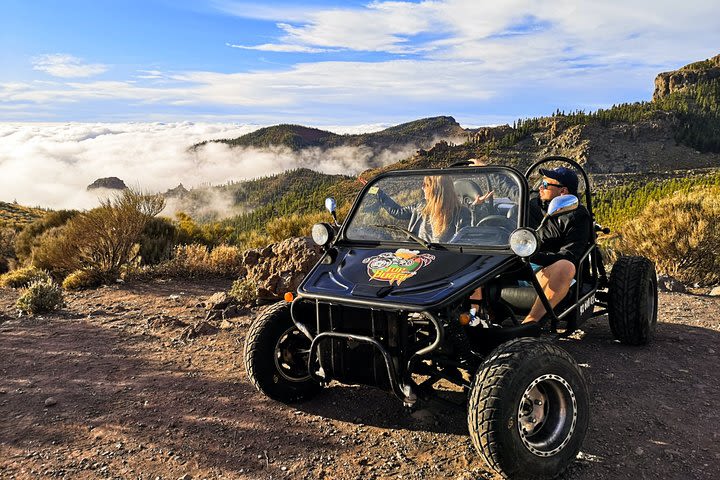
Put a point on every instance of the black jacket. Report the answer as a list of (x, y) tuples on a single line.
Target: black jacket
[(566, 236)]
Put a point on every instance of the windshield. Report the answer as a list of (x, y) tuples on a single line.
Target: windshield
[(478, 207)]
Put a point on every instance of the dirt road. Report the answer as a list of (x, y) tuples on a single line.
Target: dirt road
[(106, 388)]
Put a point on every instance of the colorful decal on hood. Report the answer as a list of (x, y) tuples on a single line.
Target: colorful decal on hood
[(396, 266)]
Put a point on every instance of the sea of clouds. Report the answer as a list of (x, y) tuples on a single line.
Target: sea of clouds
[(51, 165)]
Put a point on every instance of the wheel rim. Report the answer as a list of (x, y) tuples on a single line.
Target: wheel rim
[(547, 415), (291, 355)]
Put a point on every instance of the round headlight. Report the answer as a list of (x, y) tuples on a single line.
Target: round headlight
[(322, 233), (523, 242)]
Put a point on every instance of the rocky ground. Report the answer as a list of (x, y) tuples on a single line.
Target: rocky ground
[(114, 387)]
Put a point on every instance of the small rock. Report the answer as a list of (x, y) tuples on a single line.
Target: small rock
[(174, 297), (715, 292), (639, 451), (666, 283), (218, 301), (226, 325), (50, 401), (200, 328), (187, 476)]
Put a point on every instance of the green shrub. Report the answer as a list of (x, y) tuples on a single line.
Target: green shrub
[(226, 260), (39, 297), (7, 248), (254, 239), (29, 237), (243, 290), (81, 279), (22, 277), (104, 239), (210, 234), (157, 241), (681, 234), (615, 206), (191, 260), (50, 253)]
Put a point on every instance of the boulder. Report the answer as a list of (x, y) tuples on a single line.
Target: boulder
[(666, 283), (280, 267)]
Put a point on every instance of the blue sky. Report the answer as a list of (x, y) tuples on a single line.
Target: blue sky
[(338, 63)]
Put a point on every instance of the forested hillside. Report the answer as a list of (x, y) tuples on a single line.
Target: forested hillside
[(421, 133)]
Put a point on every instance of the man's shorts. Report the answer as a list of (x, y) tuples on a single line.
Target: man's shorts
[(536, 268)]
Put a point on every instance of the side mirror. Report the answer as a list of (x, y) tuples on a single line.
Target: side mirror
[(331, 204), (562, 204)]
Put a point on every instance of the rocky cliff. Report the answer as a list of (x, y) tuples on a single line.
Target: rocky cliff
[(112, 183), (670, 82)]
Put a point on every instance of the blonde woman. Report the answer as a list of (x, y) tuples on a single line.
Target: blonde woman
[(439, 217)]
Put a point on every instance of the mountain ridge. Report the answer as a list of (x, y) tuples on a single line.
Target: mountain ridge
[(422, 133)]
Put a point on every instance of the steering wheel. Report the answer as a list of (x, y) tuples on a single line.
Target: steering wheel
[(467, 191), (494, 221)]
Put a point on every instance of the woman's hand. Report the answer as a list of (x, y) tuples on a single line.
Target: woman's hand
[(480, 199)]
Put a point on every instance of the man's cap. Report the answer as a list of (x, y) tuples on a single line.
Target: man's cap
[(564, 176)]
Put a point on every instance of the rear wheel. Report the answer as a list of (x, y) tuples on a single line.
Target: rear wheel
[(528, 410), (276, 356), (632, 306)]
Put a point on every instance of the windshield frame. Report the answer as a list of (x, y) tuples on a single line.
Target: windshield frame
[(513, 173)]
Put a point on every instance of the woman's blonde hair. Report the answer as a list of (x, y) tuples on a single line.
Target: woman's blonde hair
[(442, 204)]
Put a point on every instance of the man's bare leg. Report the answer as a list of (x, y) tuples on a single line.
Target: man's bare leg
[(555, 282)]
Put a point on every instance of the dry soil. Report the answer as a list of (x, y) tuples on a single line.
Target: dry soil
[(109, 387)]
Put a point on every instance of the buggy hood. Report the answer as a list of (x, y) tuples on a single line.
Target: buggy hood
[(398, 277)]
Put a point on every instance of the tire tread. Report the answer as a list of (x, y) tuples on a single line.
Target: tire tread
[(494, 375), (256, 340), (627, 281)]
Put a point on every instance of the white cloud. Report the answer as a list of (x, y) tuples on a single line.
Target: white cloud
[(434, 53), (66, 66), (274, 47), (501, 33), (319, 83), (51, 165)]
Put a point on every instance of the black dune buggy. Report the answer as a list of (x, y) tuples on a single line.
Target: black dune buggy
[(383, 307)]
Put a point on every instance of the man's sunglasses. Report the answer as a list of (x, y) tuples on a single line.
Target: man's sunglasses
[(546, 184)]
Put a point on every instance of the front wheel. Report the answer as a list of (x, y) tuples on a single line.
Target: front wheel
[(528, 411), (276, 356), (632, 307)]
